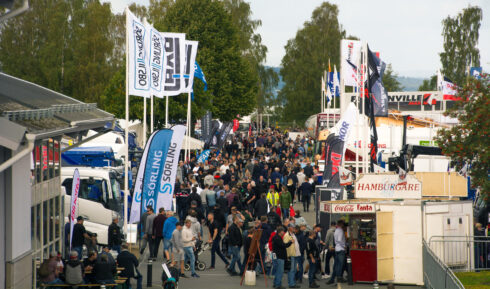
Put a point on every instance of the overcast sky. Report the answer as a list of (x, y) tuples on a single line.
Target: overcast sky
[(406, 32)]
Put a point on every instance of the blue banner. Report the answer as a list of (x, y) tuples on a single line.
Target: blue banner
[(204, 156), (155, 164)]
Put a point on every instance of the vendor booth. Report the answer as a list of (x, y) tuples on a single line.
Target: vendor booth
[(383, 238), (386, 223)]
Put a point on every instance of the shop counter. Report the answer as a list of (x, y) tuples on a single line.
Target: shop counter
[(363, 265)]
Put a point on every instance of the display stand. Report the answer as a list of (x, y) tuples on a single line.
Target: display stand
[(252, 251)]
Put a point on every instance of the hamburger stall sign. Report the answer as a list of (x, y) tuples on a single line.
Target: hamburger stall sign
[(388, 186)]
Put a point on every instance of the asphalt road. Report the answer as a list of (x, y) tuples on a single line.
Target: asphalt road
[(220, 279)]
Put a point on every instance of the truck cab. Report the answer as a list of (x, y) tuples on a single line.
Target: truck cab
[(99, 197)]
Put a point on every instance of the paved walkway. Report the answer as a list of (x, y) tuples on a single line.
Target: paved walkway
[(220, 279)]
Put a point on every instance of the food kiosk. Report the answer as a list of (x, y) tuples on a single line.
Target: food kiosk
[(388, 220)]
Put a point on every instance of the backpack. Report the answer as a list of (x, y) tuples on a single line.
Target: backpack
[(73, 275), (44, 270)]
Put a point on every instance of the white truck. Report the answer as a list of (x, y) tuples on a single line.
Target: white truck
[(99, 198)]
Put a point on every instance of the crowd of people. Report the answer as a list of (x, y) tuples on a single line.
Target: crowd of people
[(251, 184)]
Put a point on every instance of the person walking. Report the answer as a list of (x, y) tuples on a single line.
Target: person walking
[(338, 265), (236, 242), (148, 230), (279, 250), (313, 255), (130, 264), (177, 248), (286, 201), (330, 246), (114, 235), (306, 190), (168, 229), (293, 253), (214, 240), (300, 236), (261, 206), (157, 233), (188, 242)]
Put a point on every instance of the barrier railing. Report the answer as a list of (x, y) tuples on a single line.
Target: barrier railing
[(462, 253), (436, 274)]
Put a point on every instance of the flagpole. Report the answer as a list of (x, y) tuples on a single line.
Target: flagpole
[(144, 121), (166, 112), (188, 124), (126, 181), (366, 128), (358, 99), (151, 115)]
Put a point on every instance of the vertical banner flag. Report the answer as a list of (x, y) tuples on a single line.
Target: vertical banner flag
[(350, 56), (189, 64), (376, 88), (155, 165), (173, 83), (336, 81), (333, 161), (206, 125), (223, 134), (138, 70), (335, 147), (138, 186), (169, 173), (212, 140), (75, 188), (156, 62)]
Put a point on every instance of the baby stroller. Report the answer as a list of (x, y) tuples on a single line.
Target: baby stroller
[(170, 277), (200, 248)]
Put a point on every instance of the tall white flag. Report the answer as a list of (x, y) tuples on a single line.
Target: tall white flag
[(336, 81), (189, 67), (137, 54), (156, 60), (350, 56), (173, 80)]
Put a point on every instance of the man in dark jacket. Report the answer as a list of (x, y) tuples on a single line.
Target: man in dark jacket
[(157, 234), (306, 190), (235, 241), (313, 256), (261, 207), (114, 235), (130, 264), (279, 249)]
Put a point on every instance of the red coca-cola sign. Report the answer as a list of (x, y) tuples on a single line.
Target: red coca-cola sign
[(352, 208)]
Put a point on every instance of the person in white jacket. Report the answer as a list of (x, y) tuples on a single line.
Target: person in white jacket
[(188, 241)]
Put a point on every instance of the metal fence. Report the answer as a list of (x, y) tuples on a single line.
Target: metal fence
[(462, 253), (436, 274)]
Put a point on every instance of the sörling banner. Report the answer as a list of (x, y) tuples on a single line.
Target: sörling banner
[(168, 175)]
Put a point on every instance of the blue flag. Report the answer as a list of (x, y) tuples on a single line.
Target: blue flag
[(476, 72), (200, 75)]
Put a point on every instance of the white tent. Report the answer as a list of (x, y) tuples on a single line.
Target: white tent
[(192, 143)]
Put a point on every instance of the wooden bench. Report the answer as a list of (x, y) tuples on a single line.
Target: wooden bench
[(81, 285)]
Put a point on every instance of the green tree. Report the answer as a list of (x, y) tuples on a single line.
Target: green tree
[(461, 35), (231, 79), (390, 80), (429, 84), (254, 51), (468, 141), (64, 45), (305, 60)]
